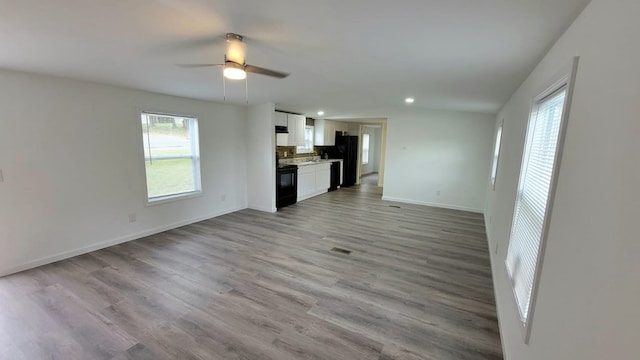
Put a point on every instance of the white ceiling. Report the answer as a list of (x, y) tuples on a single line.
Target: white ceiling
[(343, 56)]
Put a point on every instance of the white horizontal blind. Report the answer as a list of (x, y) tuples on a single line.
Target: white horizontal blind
[(496, 156), (365, 149), (533, 195)]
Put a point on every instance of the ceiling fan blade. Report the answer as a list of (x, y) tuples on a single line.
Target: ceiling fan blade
[(198, 65), (190, 44), (263, 71)]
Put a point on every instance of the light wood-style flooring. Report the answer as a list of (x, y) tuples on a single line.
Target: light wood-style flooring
[(252, 285), (369, 179)]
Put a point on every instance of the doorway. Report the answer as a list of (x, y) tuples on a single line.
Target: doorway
[(371, 155)]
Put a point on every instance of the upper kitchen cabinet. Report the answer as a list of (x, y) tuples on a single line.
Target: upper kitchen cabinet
[(326, 131), (295, 125), (296, 129)]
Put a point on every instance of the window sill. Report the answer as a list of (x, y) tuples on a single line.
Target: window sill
[(172, 198)]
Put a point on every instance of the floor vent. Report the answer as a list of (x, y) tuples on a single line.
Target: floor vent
[(342, 251), (395, 206)]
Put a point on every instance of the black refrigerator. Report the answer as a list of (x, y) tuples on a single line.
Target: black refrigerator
[(347, 147)]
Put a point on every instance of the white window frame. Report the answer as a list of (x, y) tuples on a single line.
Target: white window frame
[(195, 149), (566, 79), (366, 139), (308, 142), (496, 155)]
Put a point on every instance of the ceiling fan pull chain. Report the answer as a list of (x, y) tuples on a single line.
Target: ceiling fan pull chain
[(224, 86)]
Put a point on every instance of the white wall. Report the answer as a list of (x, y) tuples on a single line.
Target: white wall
[(433, 150), (353, 128), (71, 155), (377, 136), (587, 304), (261, 150)]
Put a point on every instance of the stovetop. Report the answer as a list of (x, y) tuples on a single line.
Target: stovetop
[(286, 166)]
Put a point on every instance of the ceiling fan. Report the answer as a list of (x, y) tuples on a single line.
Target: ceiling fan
[(235, 67)]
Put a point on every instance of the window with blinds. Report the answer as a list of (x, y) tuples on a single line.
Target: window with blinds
[(535, 190), (365, 149), (496, 156)]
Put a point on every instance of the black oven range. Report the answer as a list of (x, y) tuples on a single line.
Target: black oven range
[(286, 185)]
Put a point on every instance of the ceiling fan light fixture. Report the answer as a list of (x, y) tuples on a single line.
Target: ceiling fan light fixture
[(236, 48), (233, 73)]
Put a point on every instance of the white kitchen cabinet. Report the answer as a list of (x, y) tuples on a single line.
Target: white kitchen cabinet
[(326, 131), (330, 133), (319, 139), (295, 125), (306, 182), (296, 129), (313, 180), (323, 177), (281, 120)]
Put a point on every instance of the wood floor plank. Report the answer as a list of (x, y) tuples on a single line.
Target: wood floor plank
[(252, 285), (99, 337)]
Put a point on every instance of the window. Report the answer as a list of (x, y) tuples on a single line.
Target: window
[(308, 141), (365, 149), (534, 199), (496, 156), (171, 156)]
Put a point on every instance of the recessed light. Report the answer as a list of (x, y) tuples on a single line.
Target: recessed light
[(320, 113), (409, 100)]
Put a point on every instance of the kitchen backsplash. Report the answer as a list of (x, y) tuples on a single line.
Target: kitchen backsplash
[(290, 152)]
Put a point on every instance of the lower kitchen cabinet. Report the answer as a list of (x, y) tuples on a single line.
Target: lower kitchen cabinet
[(306, 184), (313, 180), (323, 177)]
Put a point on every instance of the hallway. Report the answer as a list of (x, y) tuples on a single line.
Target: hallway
[(369, 179)]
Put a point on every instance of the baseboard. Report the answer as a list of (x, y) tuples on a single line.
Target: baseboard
[(313, 195), (263, 209), (438, 205), (105, 244)]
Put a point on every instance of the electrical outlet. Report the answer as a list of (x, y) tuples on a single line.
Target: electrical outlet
[(437, 192), (223, 197), (132, 217)]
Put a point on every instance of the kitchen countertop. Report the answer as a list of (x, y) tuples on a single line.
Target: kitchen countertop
[(315, 162)]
